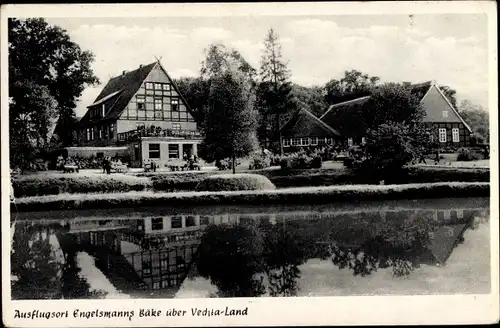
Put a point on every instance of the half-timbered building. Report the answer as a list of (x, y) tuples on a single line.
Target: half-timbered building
[(143, 110)]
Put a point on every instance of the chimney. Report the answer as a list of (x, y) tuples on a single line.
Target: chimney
[(124, 72), (140, 66)]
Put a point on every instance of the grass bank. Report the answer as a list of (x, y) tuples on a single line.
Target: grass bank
[(327, 177), (306, 195), (55, 184)]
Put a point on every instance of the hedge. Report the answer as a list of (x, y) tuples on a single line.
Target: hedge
[(40, 185), (309, 195), (233, 182), (178, 181)]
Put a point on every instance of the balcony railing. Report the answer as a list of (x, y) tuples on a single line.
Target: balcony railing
[(177, 133)]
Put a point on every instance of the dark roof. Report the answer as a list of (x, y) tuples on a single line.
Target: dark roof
[(331, 118), (304, 124), (118, 92)]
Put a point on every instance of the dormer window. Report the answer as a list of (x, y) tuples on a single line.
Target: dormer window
[(445, 113)]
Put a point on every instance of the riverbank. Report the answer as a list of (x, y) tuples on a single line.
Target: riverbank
[(304, 195)]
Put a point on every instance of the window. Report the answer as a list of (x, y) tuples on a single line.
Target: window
[(445, 113), (88, 134), (173, 151), (103, 110), (286, 142), (176, 222), (100, 133), (157, 224), (175, 105), (154, 150), (314, 141), (158, 104), (141, 103), (295, 141), (455, 135), (112, 130), (92, 136), (164, 264), (363, 140), (204, 220), (176, 126), (149, 85), (146, 267), (190, 221), (156, 285), (349, 141), (140, 126), (166, 87), (305, 142), (442, 135), (164, 284)]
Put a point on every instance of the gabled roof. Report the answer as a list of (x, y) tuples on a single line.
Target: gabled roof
[(304, 123), (354, 102), (117, 93), (420, 90)]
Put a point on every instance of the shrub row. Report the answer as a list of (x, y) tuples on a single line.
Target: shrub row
[(233, 182), (178, 182), (312, 195), (40, 185)]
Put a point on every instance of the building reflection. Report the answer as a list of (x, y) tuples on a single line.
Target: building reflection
[(154, 255)]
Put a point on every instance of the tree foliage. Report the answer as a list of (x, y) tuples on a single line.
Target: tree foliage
[(274, 93), (353, 85), (45, 56), (196, 91), (32, 115), (478, 119), (231, 120)]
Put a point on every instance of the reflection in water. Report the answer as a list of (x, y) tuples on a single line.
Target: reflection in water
[(242, 255)]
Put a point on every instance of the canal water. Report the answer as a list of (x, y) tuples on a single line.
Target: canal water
[(438, 246)]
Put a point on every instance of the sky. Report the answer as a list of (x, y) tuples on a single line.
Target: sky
[(448, 48)]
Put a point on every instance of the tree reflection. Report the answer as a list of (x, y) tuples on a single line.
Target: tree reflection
[(36, 271), (229, 256)]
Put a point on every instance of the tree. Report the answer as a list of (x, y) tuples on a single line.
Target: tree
[(32, 113), (391, 146), (231, 120), (353, 85), (46, 56), (478, 119), (275, 88), (196, 91), (219, 60), (310, 98)]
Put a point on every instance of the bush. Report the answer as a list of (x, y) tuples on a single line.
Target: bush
[(233, 182), (300, 160), (259, 162), (177, 182), (226, 164), (467, 155), (40, 185)]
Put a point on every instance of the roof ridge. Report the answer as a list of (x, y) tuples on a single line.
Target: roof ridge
[(343, 103), (321, 122)]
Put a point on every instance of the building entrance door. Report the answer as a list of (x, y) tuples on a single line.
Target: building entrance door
[(187, 150)]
